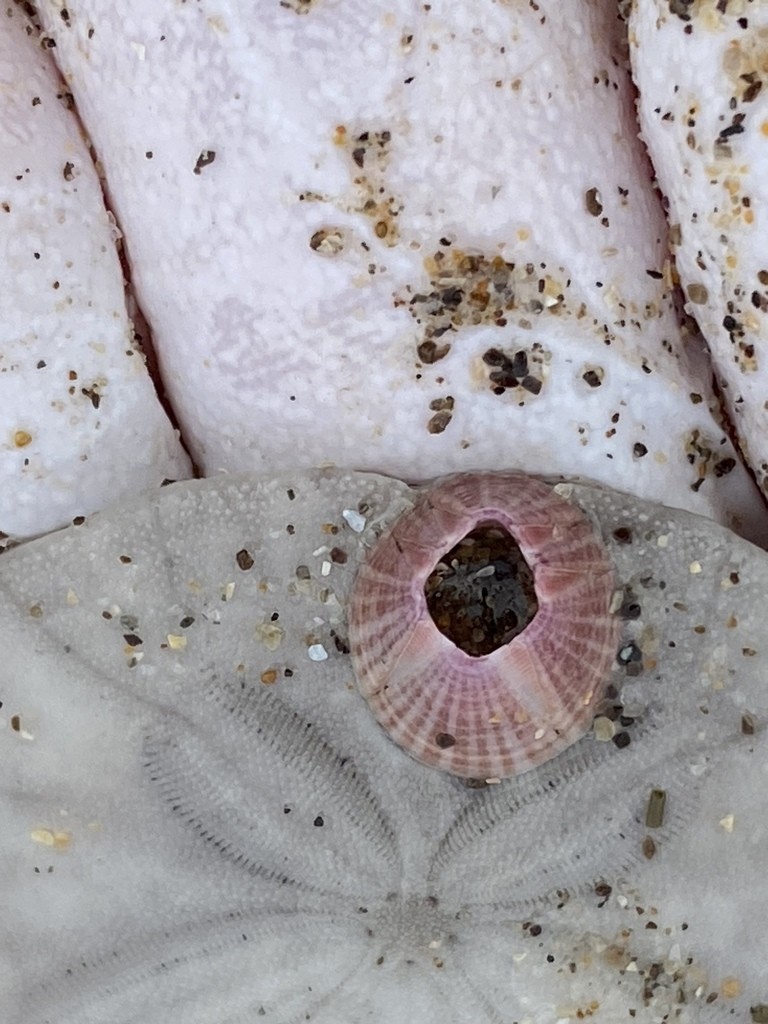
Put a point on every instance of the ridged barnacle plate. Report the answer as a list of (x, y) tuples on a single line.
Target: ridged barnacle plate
[(504, 712)]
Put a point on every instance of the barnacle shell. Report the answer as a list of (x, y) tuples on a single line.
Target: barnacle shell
[(505, 712)]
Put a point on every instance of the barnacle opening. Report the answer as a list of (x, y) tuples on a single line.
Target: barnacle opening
[(481, 593)]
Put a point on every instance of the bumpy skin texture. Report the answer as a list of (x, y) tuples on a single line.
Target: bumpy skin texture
[(701, 73), (80, 423), (418, 239), (203, 821), (505, 712)]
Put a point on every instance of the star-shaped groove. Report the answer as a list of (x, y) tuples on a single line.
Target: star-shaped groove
[(257, 782), (258, 786), (296, 864)]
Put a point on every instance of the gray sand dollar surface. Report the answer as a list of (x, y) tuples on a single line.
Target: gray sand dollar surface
[(202, 819)]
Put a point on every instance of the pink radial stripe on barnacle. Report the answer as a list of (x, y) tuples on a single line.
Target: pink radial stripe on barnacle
[(504, 712)]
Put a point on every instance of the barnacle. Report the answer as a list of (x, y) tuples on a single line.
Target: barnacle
[(506, 710)]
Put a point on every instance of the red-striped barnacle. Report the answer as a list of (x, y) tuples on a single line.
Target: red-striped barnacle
[(473, 705)]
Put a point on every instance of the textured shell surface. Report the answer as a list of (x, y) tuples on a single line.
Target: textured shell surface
[(705, 126), (507, 711), (435, 233), (80, 421), (202, 820), (201, 817)]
